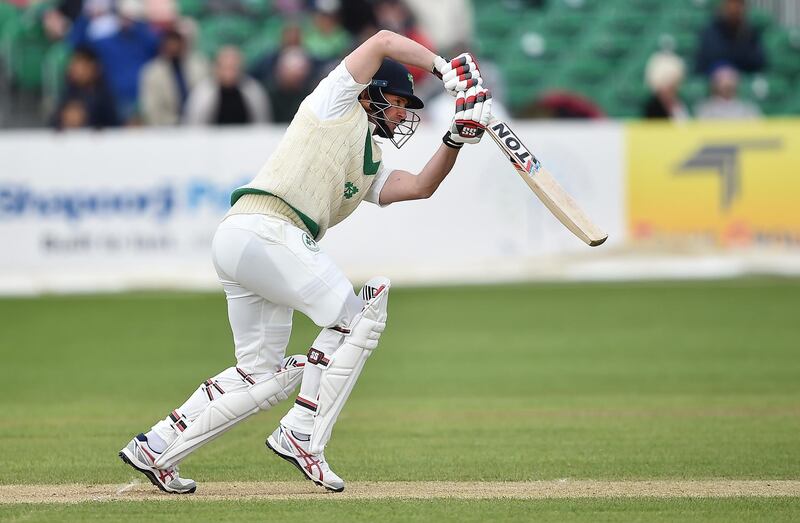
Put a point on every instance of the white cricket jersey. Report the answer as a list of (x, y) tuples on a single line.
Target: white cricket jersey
[(325, 165)]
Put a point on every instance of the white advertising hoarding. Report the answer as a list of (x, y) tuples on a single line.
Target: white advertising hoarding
[(137, 209)]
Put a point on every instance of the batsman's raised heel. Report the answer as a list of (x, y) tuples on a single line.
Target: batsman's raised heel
[(293, 447)]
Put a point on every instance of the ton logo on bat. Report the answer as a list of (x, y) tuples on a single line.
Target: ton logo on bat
[(513, 144)]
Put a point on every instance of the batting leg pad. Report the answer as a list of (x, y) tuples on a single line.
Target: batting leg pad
[(345, 365), (228, 409)]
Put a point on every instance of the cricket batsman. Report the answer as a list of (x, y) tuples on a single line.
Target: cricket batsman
[(266, 255)]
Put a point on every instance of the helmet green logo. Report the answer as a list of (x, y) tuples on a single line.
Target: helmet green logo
[(411, 79)]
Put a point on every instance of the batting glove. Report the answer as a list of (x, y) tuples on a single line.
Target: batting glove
[(473, 112), (458, 74)]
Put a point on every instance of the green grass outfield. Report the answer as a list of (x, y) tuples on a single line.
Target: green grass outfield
[(634, 381)]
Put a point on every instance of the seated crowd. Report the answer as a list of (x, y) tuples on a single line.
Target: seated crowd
[(135, 62)]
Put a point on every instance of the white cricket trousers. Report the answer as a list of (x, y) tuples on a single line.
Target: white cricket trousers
[(269, 268)]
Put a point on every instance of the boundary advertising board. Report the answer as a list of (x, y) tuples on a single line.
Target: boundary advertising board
[(133, 209), (724, 185)]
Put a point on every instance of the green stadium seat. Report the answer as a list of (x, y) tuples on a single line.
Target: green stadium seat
[(523, 92), (603, 97), (566, 24), (793, 106), (492, 47), (27, 69), (497, 22), (191, 8), (267, 39), (597, 47), (625, 111), (519, 96), (693, 90), (680, 18), (629, 95), (24, 46), (536, 46), (260, 8), (523, 70), (575, 6), (651, 7), (774, 108), (785, 63), (54, 70), (682, 43), (589, 71), (7, 12), (535, 73), (783, 51), (218, 31), (600, 47), (761, 19), (627, 22), (612, 46), (779, 90)]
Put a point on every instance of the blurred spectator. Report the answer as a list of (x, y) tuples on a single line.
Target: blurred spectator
[(96, 21), (86, 101), (358, 19), (447, 22), (291, 82), (723, 103), (664, 74), (124, 44), (395, 16), (56, 25), (229, 98), (58, 19), (263, 69), (166, 81), (731, 39), (161, 14), (324, 37), (70, 8)]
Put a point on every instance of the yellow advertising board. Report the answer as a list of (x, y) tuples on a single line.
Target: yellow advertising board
[(722, 184)]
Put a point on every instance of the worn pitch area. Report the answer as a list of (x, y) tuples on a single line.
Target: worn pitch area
[(77, 493)]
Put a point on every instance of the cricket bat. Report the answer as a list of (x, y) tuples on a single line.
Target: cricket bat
[(542, 183)]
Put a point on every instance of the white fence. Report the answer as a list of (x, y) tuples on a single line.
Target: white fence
[(137, 209)]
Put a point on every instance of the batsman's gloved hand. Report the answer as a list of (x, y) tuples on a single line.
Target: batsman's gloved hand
[(473, 112), (458, 74)]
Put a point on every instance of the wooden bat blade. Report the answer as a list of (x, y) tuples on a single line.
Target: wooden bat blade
[(544, 185), (564, 207)]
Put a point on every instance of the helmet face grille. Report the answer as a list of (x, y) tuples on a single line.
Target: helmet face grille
[(403, 129)]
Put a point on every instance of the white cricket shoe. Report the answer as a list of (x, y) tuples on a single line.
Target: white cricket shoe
[(140, 456), (293, 447)]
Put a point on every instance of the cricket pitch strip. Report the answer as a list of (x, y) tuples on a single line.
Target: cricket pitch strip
[(296, 490)]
